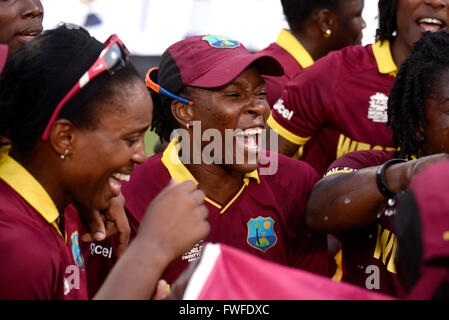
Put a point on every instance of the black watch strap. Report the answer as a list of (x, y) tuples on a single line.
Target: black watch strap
[(380, 178)]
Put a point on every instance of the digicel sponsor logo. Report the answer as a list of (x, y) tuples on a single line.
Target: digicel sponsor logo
[(283, 111)]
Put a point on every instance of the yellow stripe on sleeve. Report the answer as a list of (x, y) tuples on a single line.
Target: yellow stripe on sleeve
[(284, 133)]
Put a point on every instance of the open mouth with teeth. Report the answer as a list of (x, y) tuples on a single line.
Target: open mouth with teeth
[(248, 139), (27, 35), (115, 182), (431, 24)]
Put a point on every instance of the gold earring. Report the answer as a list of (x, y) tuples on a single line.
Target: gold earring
[(327, 33), (66, 153)]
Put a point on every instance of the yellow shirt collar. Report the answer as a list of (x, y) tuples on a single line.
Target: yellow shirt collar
[(384, 58), (289, 43), (178, 171), (18, 178)]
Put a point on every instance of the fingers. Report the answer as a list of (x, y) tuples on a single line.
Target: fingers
[(96, 226), (162, 290), (117, 222)]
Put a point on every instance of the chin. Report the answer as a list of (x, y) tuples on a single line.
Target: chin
[(246, 168)]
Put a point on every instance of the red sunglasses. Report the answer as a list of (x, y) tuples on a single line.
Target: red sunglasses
[(113, 57)]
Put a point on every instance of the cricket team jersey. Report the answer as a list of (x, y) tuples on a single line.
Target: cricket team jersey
[(39, 260), (369, 252), (292, 56), (266, 217), (338, 105)]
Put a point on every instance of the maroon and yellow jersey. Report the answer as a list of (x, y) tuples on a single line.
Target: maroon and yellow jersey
[(39, 261), (266, 217), (338, 105), (368, 253), (293, 58)]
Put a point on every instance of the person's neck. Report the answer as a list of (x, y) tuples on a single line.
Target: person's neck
[(400, 51), (46, 174), (217, 181), (309, 41)]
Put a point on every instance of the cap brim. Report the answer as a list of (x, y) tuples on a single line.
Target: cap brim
[(227, 70), (3, 56)]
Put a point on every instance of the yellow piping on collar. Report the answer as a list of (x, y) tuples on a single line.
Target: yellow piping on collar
[(289, 43), (384, 58), (18, 178)]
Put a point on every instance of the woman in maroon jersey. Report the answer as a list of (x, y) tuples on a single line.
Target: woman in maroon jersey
[(76, 112), (316, 28), (357, 198)]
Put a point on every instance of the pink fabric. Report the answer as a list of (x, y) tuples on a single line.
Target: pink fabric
[(237, 275), (3, 55)]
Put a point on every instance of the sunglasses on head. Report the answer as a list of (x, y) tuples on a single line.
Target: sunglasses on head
[(158, 89), (113, 57)]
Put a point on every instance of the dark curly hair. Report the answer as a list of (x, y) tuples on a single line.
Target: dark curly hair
[(297, 11), (417, 78)]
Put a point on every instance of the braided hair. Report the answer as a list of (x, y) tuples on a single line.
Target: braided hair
[(417, 78), (30, 86), (387, 20), (298, 11)]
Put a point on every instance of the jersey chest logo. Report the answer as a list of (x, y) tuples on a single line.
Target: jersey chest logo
[(378, 105), (76, 251), (261, 233)]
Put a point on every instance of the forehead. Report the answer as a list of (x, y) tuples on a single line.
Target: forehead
[(127, 107)]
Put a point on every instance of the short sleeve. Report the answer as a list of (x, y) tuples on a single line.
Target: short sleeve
[(357, 160), (306, 104)]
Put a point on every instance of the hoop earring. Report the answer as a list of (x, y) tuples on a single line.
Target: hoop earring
[(327, 33)]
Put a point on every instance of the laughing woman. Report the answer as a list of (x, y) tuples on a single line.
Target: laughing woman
[(76, 132), (211, 86)]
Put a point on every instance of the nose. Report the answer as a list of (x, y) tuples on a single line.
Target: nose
[(32, 9), (363, 24), (139, 154), (257, 106), (437, 4)]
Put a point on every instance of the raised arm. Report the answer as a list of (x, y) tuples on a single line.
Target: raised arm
[(346, 201)]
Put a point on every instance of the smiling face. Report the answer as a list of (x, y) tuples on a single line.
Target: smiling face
[(436, 132), (416, 16), (240, 107), (20, 21), (103, 157), (350, 23)]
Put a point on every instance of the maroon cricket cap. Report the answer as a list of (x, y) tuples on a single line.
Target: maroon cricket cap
[(209, 61), (3, 55), (430, 193)]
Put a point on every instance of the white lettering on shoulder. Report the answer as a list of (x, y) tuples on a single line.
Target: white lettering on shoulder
[(283, 111)]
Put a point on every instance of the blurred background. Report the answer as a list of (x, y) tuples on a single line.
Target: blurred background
[(148, 27)]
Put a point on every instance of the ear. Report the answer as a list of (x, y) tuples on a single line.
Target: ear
[(62, 136), (183, 113), (418, 135), (326, 20)]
